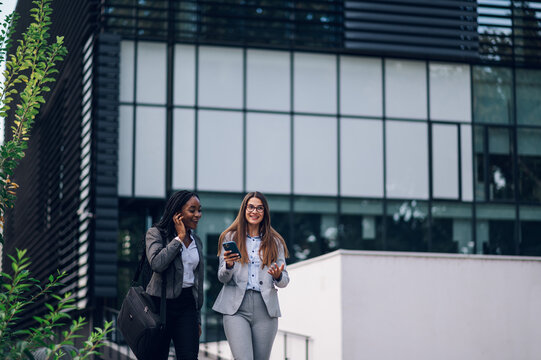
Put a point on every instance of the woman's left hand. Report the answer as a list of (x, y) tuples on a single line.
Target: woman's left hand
[(276, 271)]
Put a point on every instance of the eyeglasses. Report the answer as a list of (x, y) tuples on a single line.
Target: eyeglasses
[(251, 208)]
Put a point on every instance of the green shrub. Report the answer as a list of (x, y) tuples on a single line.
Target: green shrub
[(55, 331)]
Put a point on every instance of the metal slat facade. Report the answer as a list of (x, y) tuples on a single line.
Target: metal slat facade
[(482, 31)]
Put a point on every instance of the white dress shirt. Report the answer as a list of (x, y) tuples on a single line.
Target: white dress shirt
[(254, 262), (190, 260)]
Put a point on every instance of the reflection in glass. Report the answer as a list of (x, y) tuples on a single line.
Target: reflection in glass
[(529, 164), (314, 226), (360, 225), (452, 228), (530, 230), (132, 225), (494, 163), (528, 96), (495, 229), (492, 95), (407, 226)]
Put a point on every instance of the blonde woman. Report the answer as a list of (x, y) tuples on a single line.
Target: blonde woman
[(248, 299)]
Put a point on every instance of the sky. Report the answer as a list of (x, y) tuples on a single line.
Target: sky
[(6, 7)]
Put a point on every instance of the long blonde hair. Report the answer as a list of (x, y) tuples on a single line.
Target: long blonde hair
[(268, 250)]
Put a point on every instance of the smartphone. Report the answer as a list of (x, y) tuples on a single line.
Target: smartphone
[(231, 245)]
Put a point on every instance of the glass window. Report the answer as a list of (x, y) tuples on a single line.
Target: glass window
[(315, 156), (466, 163), (445, 161), (452, 228), (314, 226), (268, 80), (131, 232), (125, 150), (405, 89), (407, 159), (126, 71), (494, 169), (530, 231), (150, 152), (492, 95), (315, 83), (184, 72), (268, 153), (528, 94), (183, 149), (361, 86), (220, 77), (151, 72), (495, 229), (219, 151), (407, 226), (450, 92), (361, 157), (529, 164), (360, 224)]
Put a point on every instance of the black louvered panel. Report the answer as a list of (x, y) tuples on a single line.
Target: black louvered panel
[(432, 29), (105, 159)]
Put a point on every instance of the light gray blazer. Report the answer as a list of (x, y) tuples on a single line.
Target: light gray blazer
[(161, 257), (236, 279)]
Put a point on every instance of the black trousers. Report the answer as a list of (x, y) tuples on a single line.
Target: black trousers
[(182, 326)]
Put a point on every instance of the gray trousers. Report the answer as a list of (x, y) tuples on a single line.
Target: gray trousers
[(251, 331)]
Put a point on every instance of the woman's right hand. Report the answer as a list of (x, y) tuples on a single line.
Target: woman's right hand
[(179, 226), (230, 258)]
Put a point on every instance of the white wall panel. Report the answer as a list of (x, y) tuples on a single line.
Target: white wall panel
[(407, 159), (405, 89), (151, 72), (268, 80), (361, 86), (445, 161), (219, 151), (125, 150), (184, 72), (361, 157), (315, 155), (126, 70), (466, 163), (315, 83), (268, 153), (183, 149), (220, 77), (150, 152), (450, 92)]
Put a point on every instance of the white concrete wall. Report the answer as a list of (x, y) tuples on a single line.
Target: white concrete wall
[(372, 305), (311, 305)]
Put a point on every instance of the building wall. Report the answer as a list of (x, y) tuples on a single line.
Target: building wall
[(416, 306)]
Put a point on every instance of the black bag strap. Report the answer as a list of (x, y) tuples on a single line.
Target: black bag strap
[(163, 302)]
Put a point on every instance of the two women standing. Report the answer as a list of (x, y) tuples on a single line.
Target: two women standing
[(248, 299)]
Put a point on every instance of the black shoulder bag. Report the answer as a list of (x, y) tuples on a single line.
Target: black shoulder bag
[(138, 321)]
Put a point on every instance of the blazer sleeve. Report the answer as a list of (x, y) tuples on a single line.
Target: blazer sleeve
[(225, 274), (159, 256), (284, 280)]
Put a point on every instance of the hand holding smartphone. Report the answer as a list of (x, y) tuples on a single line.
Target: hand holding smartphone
[(231, 246)]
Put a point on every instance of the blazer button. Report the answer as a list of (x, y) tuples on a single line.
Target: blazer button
[(261, 283)]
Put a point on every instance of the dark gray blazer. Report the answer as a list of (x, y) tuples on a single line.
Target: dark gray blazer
[(160, 259), (236, 279)]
